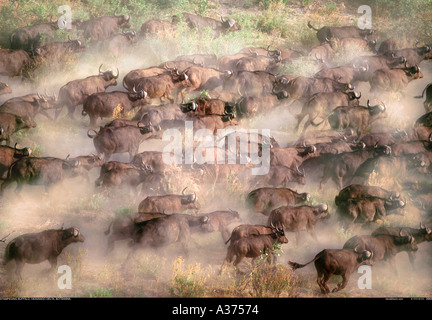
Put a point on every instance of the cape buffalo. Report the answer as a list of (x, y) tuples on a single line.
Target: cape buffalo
[(254, 246), (45, 171), (331, 262), (75, 92), (103, 27), (170, 203), (110, 140), (266, 199), (34, 248)]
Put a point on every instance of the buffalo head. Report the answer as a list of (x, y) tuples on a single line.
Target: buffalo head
[(109, 75), (230, 24)]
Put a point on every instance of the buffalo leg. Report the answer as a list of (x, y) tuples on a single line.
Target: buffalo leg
[(343, 284), (71, 111), (325, 278)]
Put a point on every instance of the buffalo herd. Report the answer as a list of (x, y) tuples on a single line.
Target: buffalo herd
[(336, 137)]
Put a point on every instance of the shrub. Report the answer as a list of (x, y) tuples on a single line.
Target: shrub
[(187, 281)]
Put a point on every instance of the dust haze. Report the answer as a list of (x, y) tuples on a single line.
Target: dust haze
[(77, 202)]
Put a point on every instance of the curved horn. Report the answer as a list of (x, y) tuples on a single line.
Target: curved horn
[(183, 190), (100, 68), (368, 105), (115, 13), (90, 136), (118, 73), (357, 96)]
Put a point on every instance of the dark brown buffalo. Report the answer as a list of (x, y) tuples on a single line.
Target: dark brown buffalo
[(394, 44), (11, 123), (227, 62), (341, 167), (8, 155), (219, 221), (28, 106), (420, 235), (248, 83), (167, 116), (122, 227), (254, 246), (217, 27), (213, 122), (331, 262), (178, 66), (358, 118), (110, 140), (30, 37), (258, 63), (55, 50), (302, 88), (428, 100), (344, 74), (75, 92), (103, 27), (413, 56), (326, 33), (323, 102), (112, 104), (323, 53), (368, 209), (122, 174), (266, 199), (160, 86), (384, 138), (374, 63), (248, 230), (4, 88), (12, 62), (162, 231), (298, 218), (250, 106), (87, 163), (46, 171), (34, 248), (412, 147), (358, 191), (291, 157), (202, 78), (157, 28), (395, 79), (154, 159), (204, 106), (131, 79), (384, 246), (170, 203)]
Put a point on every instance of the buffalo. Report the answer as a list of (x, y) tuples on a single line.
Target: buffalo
[(254, 246), (75, 92), (34, 248), (298, 218), (170, 203), (103, 27), (331, 262), (46, 171), (266, 199)]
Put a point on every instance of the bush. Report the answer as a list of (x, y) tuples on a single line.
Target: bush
[(187, 281)]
